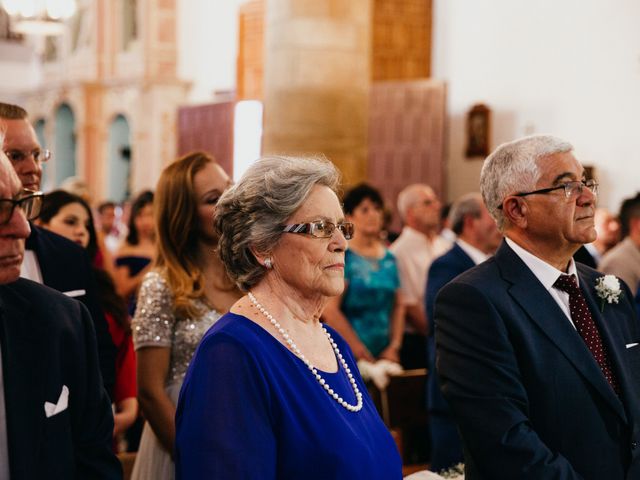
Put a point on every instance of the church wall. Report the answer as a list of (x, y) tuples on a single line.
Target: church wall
[(571, 69)]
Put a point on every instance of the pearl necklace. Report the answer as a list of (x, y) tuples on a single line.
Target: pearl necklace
[(285, 335)]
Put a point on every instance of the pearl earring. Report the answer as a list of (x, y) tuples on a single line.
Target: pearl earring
[(268, 264)]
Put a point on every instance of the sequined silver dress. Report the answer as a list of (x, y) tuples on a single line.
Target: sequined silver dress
[(155, 325)]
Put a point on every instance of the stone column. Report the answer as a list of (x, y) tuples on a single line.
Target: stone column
[(316, 81)]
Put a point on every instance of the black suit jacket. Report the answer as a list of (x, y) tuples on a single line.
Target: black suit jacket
[(48, 342), (528, 396), (65, 267)]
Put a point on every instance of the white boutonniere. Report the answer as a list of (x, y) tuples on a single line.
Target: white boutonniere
[(608, 290)]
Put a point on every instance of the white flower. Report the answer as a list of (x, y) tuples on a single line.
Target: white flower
[(608, 289)]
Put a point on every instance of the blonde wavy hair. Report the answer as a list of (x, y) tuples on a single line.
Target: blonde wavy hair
[(177, 233)]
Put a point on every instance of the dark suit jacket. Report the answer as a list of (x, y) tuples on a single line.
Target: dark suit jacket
[(528, 396), (48, 342), (442, 271), (583, 255), (65, 267)]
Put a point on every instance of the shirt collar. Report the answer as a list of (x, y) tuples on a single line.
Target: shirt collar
[(544, 272), (478, 256)]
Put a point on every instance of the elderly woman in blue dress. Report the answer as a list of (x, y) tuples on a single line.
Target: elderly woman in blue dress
[(271, 391)]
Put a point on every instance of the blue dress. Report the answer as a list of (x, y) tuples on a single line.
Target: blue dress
[(250, 409), (368, 301)]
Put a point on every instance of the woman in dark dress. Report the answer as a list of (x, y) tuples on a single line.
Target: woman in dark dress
[(133, 258), (272, 392)]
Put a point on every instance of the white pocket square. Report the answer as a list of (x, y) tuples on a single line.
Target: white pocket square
[(629, 345), (51, 409), (75, 293)]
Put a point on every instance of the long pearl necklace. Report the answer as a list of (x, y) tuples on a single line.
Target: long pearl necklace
[(314, 371)]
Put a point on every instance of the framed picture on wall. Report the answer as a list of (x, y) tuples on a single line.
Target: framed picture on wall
[(478, 130)]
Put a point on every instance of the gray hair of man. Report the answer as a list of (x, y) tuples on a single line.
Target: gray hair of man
[(249, 215), (513, 168), (408, 197), (469, 204)]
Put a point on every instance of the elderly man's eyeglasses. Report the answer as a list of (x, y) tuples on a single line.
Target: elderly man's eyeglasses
[(572, 190), (39, 156), (321, 229), (29, 202)]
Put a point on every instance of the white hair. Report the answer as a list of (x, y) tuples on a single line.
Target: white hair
[(409, 196), (513, 168)]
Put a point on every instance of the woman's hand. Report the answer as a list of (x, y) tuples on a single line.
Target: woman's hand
[(390, 353), (361, 352)]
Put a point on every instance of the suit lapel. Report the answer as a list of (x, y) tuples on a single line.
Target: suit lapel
[(605, 319), (24, 373), (542, 309)]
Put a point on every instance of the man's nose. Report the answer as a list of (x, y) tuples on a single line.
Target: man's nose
[(18, 225)]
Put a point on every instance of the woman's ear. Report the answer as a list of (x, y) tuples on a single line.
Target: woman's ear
[(516, 210), (263, 258)]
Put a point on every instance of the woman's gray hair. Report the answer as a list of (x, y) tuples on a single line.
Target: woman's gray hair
[(249, 216), (513, 168)]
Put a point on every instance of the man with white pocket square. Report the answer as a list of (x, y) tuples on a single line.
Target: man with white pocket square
[(51, 259), (538, 355), (55, 416)]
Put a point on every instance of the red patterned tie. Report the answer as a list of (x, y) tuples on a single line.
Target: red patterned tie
[(586, 326)]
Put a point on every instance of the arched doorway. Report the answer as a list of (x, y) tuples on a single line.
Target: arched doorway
[(39, 127), (65, 144), (119, 162)]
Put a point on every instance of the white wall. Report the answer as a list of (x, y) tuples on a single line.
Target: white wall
[(20, 70), (207, 46), (570, 68)]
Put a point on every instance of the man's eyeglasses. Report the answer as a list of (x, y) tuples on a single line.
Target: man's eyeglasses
[(30, 203), (321, 229), (39, 156), (572, 190)]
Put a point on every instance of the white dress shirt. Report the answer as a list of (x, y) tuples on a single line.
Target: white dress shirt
[(547, 275), (478, 256), (30, 268)]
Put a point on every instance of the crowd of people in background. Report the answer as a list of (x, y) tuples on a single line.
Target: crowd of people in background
[(156, 273)]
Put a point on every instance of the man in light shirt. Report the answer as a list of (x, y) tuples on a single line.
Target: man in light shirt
[(477, 238), (415, 248), (540, 369)]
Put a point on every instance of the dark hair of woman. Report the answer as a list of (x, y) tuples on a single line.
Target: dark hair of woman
[(54, 201), (142, 200), (358, 194)]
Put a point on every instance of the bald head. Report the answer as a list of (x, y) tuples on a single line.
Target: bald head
[(419, 208)]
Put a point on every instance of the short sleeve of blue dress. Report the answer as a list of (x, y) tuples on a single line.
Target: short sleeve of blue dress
[(370, 296), (251, 409)]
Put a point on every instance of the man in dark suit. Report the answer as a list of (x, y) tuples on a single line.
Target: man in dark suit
[(55, 417), (477, 237), (541, 373), (51, 259)]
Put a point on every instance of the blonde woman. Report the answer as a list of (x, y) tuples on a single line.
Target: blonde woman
[(180, 298)]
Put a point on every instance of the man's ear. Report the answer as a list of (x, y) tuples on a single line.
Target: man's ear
[(516, 211)]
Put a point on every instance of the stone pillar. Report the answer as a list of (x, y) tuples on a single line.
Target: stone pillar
[(316, 83)]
